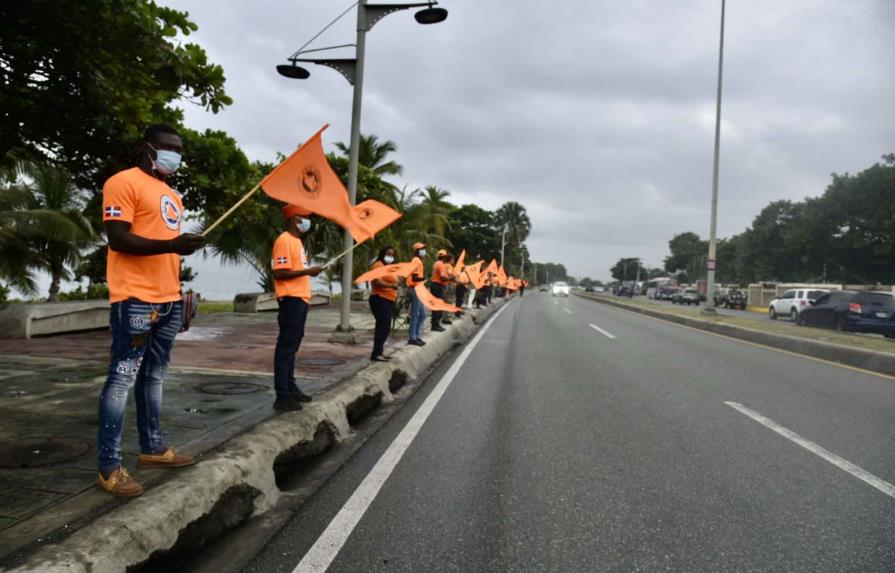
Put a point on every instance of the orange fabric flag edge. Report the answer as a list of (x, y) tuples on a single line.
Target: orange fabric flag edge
[(431, 302), (460, 260), (397, 270), (375, 215), (307, 179)]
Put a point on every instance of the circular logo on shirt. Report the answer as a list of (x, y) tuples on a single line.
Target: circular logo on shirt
[(310, 180), (170, 213)]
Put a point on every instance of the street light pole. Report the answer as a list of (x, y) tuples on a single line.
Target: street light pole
[(710, 264), (503, 237), (353, 154)]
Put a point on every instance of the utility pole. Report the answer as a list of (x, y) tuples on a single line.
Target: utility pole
[(710, 264)]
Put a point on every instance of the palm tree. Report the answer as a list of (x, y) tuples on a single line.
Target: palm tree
[(42, 226), (514, 217), (373, 154), (435, 210)]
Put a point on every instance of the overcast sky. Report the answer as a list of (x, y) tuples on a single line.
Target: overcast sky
[(598, 116)]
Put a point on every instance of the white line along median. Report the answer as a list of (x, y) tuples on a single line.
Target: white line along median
[(567, 310), (601, 331), (330, 542), (840, 463)]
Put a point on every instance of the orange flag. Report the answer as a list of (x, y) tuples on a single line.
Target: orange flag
[(460, 260), (375, 215), (432, 302), (307, 180), (501, 276), (492, 267), (395, 270)]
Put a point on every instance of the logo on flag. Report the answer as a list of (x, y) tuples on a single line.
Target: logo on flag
[(112, 211), (310, 180), (363, 213), (282, 260)]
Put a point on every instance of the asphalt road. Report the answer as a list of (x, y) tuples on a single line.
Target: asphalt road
[(629, 445)]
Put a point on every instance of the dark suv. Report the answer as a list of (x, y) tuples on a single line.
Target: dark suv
[(730, 298), (872, 312)]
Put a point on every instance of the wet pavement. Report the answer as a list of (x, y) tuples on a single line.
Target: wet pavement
[(219, 385)]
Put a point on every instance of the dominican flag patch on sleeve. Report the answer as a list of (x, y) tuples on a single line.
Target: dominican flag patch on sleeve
[(282, 260), (113, 211)]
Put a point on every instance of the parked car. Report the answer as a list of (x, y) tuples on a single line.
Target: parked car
[(560, 289), (731, 298), (588, 289), (543, 288), (850, 311), (686, 296), (793, 301)]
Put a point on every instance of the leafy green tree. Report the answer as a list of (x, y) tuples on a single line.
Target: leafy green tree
[(686, 248), (374, 154), (514, 217), (473, 228), (80, 80), (41, 227), (626, 269)]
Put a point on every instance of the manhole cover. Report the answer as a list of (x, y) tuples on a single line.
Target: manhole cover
[(40, 452), (229, 388), (320, 361)]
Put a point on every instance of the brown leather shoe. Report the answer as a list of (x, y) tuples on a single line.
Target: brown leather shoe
[(120, 483), (167, 459)]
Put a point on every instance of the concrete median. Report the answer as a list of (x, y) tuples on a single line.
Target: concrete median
[(874, 361), (238, 479)]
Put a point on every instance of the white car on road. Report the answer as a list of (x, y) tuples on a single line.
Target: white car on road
[(793, 301), (560, 289)]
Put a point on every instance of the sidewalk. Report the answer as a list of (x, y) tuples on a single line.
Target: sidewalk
[(219, 385)]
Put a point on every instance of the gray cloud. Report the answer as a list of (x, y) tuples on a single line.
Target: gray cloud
[(598, 116)]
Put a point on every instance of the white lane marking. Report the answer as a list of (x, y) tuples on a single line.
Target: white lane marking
[(330, 542), (567, 310), (601, 331), (837, 461)]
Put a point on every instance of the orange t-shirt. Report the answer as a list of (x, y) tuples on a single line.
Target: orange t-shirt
[(386, 293), (418, 270), (289, 254), (440, 273), (154, 211)]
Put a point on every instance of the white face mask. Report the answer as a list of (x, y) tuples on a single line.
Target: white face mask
[(304, 225), (422, 252), (166, 162), (388, 259)]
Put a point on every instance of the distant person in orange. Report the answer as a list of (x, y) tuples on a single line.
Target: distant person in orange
[(441, 277), (382, 303), (417, 310), (292, 280), (142, 217), (461, 287)]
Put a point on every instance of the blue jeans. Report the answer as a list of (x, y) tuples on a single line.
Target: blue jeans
[(291, 318), (141, 351), (417, 315)]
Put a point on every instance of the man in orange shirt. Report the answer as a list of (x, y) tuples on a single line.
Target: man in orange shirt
[(382, 303), (417, 310), (441, 277), (292, 279), (142, 218)]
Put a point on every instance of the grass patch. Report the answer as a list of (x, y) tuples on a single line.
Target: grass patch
[(874, 342), (212, 306)]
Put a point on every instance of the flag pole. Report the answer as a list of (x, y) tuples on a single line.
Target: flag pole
[(258, 186), (340, 255), (231, 209)]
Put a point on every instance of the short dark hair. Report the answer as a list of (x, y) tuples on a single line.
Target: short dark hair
[(156, 129), (381, 256)]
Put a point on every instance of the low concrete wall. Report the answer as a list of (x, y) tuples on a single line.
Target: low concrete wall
[(267, 301), (23, 320), (129, 534), (881, 362)]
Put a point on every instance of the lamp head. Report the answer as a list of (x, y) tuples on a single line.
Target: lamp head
[(293, 71), (431, 15)]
